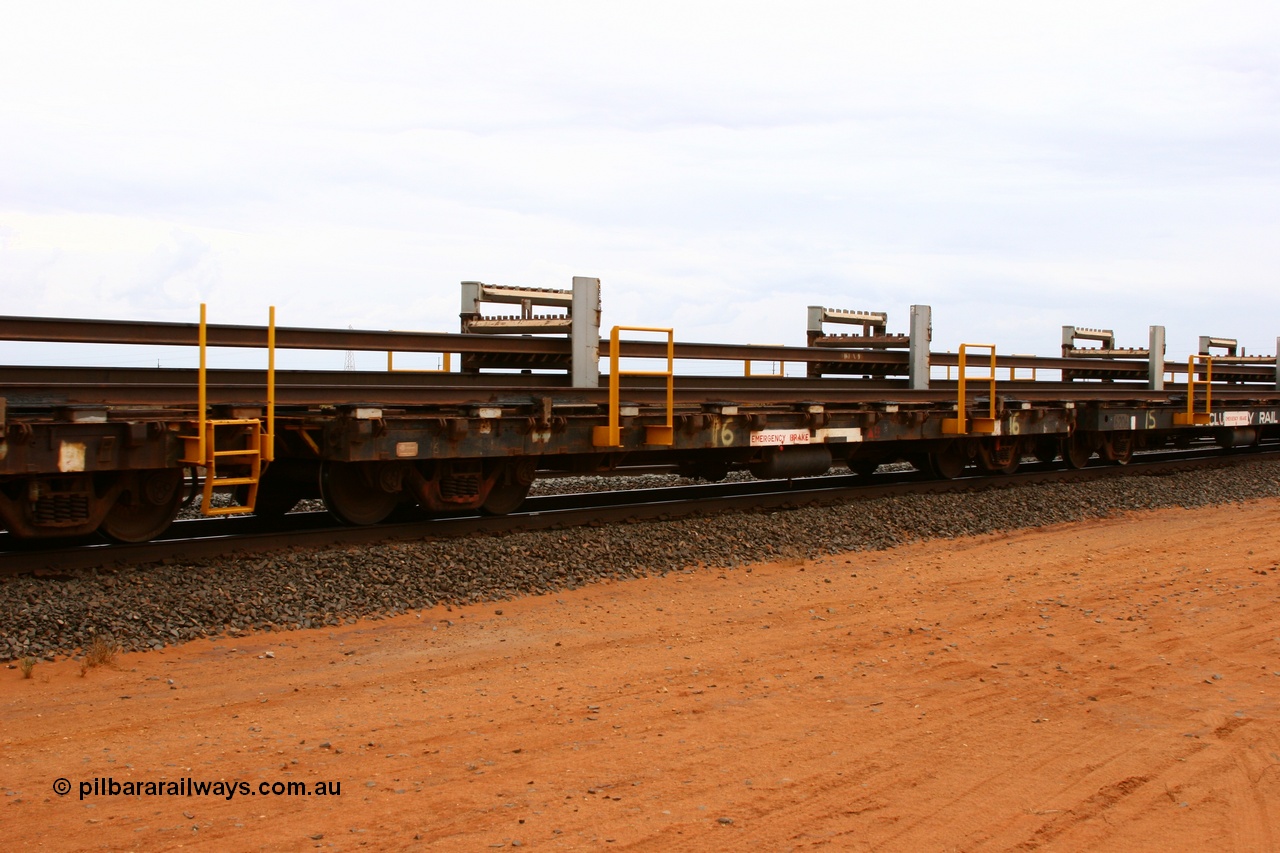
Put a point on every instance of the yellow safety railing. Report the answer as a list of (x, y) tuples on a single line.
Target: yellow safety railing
[(269, 451), (448, 365), (258, 446), (1191, 417), (962, 424), (611, 435)]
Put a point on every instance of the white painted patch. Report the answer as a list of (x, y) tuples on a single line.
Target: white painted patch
[(70, 456), (366, 414), (1235, 419), (838, 434), (406, 448), (489, 412)]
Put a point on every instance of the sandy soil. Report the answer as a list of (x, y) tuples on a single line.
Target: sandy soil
[(1102, 685)]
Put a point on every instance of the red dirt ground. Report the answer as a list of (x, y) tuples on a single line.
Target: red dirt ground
[(1100, 685)]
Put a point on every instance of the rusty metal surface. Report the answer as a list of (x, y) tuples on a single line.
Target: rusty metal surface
[(31, 388), (555, 351)]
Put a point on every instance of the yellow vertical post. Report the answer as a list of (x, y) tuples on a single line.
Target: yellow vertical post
[(1192, 417), (269, 453), (671, 389), (202, 394), (615, 391)]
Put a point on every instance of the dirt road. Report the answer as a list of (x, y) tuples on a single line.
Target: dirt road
[(1101, 685)]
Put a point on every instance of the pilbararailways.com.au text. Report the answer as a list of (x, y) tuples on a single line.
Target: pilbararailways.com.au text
[(187, 787)]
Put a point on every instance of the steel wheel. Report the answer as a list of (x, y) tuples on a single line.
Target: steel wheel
[(505, 498), (950, 462), (146, 506), (1076, 450), (510, 487), (351, 496)]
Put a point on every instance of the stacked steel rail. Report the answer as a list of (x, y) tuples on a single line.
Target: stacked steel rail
[(106, 449)]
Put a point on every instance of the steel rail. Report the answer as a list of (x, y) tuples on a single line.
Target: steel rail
[(315, 530), (35, 389), (558, 348)]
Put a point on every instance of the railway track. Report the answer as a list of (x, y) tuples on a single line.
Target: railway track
[(210, 538)]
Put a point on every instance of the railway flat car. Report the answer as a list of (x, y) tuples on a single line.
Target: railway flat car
[(116, 451)]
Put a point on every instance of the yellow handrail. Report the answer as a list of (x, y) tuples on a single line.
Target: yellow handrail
[(202, 394), (959, 425), (269, 454), (611, 436), (1192, 417)]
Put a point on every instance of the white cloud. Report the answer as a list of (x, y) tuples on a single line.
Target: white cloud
[(720, 166)]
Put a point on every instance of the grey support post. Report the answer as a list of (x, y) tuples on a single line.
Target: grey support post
[(470, 302), (585, 333), (918, 357), (1155, 360)]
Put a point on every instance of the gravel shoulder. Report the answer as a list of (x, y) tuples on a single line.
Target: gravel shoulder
[(1107, 682), (154, 607)]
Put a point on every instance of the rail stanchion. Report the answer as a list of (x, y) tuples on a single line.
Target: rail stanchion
[(611, 435), (962, 424)]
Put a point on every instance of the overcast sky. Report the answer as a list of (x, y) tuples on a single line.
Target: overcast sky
[(719, 166)]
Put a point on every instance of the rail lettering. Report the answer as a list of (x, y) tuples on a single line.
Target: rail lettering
[(1230, 419), (779, 437)]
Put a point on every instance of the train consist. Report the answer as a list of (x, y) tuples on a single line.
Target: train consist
[(112, 451)]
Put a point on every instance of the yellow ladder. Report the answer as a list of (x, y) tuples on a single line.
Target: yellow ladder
[(245, 461), (247, 446)]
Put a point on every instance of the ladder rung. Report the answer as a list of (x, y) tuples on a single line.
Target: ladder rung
[(253, 451), (234, 481)]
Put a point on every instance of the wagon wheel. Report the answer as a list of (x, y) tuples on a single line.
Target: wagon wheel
[(505, 498), (351, 496), (511, 487), (146, 506), (1076, 450), (950, 462)]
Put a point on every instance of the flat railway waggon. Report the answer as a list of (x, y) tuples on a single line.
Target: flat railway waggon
[(116, 451)]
